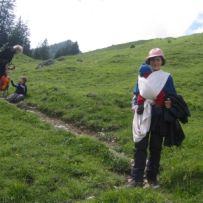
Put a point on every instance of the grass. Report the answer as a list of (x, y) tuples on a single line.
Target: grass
[(43, 164), (93, 91)]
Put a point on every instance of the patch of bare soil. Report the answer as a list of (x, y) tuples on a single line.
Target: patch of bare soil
[(58, 123)]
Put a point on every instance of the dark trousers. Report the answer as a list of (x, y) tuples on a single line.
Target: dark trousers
[(153, 141), (14, 98)]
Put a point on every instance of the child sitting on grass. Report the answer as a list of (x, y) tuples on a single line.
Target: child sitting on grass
[(20, 92)]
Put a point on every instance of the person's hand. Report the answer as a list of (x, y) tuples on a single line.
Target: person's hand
[(12, 67), (140, 109), (133, 108), (168, 103)]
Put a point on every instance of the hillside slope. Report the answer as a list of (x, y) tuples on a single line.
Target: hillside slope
[(93, 90)]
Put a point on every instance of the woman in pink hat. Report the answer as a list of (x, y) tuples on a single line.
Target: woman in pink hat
[(149, 124)]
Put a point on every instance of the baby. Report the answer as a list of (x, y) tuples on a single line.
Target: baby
[(144, 71)]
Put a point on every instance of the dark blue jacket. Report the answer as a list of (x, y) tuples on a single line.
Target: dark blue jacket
[(20, 88)]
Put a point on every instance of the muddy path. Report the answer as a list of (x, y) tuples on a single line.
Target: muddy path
[(54, 121), (69, 127)]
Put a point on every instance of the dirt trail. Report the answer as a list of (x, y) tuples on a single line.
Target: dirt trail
[(58, 123)]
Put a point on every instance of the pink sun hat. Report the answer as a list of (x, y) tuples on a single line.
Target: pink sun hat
[(154, 53)]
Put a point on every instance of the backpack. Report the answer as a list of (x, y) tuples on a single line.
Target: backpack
[(4, 82)]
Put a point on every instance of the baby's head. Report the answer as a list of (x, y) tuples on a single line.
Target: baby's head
[(145, 70)]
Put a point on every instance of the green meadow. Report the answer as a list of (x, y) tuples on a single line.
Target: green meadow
[(93, 92)]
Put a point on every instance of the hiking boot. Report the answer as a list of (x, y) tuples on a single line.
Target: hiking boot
[(133, 183), (154, 184)]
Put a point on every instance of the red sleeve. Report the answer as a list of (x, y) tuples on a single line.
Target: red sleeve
[(140, 99)]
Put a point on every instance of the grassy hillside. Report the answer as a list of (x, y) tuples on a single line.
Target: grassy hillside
[(43, 164), (93, 91)]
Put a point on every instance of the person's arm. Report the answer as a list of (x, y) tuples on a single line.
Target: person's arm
[(133, 102), (135, 93), (140, 103), (136, 89), (13, 84), (137, 100), (169, 88)]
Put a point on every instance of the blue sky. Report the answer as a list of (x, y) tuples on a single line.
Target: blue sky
[(196, 26), (100, 23)]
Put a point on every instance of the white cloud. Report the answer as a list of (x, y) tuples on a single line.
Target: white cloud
[(100, 23), (197, 25)]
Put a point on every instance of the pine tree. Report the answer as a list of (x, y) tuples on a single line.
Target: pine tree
[(6, 20), (70, 48), (12, 33), (45, 50), (20, 35), (75, 48), (42, 52)]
